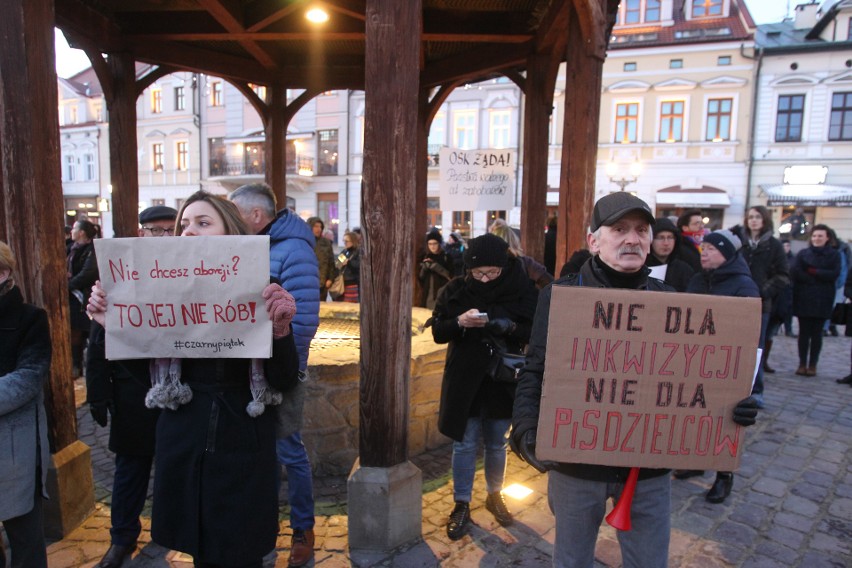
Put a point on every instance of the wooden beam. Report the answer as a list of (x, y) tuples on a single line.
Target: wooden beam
[(226, 12), (264, 13), (475, 63), (353, 8), (31, 192), (245, 36), (593, 26), (390, 156), (200, 60), (276, 143), (80, 18), (149, 78), (123, 159)]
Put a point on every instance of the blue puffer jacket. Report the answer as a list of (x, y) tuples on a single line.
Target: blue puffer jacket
[(293, 262)]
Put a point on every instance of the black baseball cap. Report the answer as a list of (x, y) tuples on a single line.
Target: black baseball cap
[(610, 208), (157, 213)]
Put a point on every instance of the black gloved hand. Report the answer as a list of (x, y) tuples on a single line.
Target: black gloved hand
[(99, 412), (745, 411), (524, 446), (500, 326)]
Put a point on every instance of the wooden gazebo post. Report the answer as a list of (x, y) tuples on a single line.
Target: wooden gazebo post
[(385, 508), (31, 224)]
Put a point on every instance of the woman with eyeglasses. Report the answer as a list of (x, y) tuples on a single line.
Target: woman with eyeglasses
[(489, 309), (665, 249), (217, 474)]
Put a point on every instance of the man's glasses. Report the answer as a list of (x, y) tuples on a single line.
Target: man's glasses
[(159, 231), (491, 274)]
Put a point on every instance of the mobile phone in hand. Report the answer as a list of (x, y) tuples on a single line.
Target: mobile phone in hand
[(482, 316)]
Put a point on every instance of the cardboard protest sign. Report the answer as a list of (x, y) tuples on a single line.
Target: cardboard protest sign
[(186, 298), (477, 180), (646, 379)]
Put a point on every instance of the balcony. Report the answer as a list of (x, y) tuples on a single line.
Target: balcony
[(233, 168)]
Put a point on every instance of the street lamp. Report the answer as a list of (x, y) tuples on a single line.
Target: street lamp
[(619, 177)]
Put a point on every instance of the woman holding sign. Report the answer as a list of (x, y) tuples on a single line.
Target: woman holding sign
[(491, 308), (216, 478)]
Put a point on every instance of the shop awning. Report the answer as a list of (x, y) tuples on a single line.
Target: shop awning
[(705, 196), (817, 195)]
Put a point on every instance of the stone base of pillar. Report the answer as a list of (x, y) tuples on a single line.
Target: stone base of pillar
[(385, 506), (71, 491)]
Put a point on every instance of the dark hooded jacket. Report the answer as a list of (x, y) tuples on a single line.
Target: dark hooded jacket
[(768, 265), (528, 393), (466, 390), (731, 279), (678, 272), (324, 251), (814, 273)]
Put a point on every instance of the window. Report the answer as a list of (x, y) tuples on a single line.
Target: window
[(216, 94), (630, 66), (499, 129), (652, 10), (89, 160), (182, 156), (99, 113), (626, 122), (259, 90), (676, 64), (158, 202), (156, 100), (702, 8), (840, 125), (438, 131), (461, 223), (157, 157), (70, 168), (464, 134), (72, 113), (218, 156), (632, 11), (671, 121), (723, 60), (719, 119), (327, 152), (788, 124), (180, 99)]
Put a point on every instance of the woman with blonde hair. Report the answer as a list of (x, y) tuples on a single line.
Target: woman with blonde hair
[(534, 269), (24, 454)]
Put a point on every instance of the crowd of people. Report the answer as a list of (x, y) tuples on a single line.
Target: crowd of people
[(215, 487)]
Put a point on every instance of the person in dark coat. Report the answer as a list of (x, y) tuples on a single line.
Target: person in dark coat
[(847, 291), (25, 354), (473, 405), (436, 269), (664, 252), (550, 246), (455, 246), (765, 258), (813, 273), (117, 389), (325, 256), (82, 273), (349, 263), (577, 260), (725, 273), (217, 475), (620, 239), (692, 231)]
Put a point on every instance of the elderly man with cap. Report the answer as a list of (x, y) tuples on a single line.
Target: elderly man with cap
[(118, 388), (619, 239), (724, 273)]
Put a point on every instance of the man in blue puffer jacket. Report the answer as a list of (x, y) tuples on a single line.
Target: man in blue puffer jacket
[(293, 263)]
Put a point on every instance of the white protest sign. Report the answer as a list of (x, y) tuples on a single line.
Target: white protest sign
[(186, 298), (477, 180)]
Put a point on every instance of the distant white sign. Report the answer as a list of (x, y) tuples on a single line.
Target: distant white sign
[(805, 175), (477, 180)]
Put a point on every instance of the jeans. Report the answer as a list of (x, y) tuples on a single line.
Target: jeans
[(300, 486), (579, 506), (129, 490), (495, 433), (758, 381)]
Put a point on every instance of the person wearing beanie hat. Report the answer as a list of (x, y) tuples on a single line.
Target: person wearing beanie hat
[(664, 253), (725, 273), (483, 315), (619, 239), (436, 269)]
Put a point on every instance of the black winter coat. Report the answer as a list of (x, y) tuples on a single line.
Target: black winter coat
[(768, 265), (83, 272), (121, 385), (678, 273), (435, 271), (528, 393), (352, 270), (217, 475), (814, 273), (731, 279), (466, 390)]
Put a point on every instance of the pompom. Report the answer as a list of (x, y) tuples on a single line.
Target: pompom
[(255, 408)]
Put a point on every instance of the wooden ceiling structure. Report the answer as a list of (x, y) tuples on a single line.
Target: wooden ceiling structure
[(407, 55)]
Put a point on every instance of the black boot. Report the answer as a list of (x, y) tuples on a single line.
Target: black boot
[(497, 506), (766, 349), (721, 487), (847, 380), (459, 520), (115, 556)]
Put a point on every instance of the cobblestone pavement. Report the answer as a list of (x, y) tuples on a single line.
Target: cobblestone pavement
[(791, 505)]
